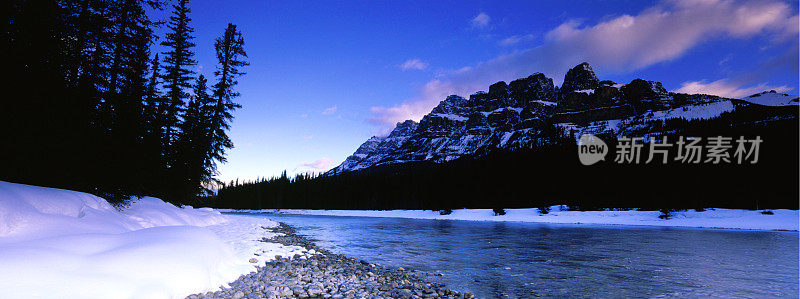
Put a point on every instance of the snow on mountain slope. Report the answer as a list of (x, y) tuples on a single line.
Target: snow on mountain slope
[(619, 127), (772, 98), (75, 245), (376, 148)]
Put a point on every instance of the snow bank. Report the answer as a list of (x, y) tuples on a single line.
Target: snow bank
[(75, 245), (29, 212), (150, 212), (717, 218)]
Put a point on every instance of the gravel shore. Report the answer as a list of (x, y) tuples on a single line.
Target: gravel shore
[(328, 275)]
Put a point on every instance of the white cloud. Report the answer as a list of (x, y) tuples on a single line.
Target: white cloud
[(330, 110), (516, 39), (726, 88), (481, 20), (323, 163), (622, 44), (304, 115), (414, 64)]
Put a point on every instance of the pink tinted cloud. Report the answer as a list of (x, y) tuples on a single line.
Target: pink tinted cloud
[(726, 88), (323, 163)]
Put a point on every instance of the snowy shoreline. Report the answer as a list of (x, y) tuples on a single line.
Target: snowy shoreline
[(781, 220), (76, 245)]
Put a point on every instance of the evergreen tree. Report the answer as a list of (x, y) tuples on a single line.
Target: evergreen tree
[(194, 164), (33, 109), (230, 54), (154, 117), (178, 63), (122, 104), (153, 98), (78, 85)]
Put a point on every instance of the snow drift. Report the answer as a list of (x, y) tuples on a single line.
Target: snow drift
[(75, 245), (30, 212)]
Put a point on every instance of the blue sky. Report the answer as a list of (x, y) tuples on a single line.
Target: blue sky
[(327, 75)]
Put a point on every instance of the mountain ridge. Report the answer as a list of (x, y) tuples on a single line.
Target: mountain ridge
[(523, 114)]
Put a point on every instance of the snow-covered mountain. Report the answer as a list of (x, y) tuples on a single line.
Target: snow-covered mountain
[(523, 114)]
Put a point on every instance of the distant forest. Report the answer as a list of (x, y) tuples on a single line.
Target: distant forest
[(552, 175), (87, 106)]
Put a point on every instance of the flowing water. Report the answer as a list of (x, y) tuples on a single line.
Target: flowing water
[(522, 260)]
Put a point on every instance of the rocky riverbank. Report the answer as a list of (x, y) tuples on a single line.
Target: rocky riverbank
[(324, 274)]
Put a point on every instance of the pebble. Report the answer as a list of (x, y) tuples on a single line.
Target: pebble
[(323, 274)]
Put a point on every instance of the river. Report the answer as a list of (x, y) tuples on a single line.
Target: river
[(522, 260)]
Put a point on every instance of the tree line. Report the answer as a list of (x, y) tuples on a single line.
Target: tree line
[(552, 175), (88, 106)]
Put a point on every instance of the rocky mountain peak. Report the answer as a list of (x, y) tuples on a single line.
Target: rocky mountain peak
[(404, 128), (524, 114), (536, 87), (452, 105), (498, 90), (581, 77), (643, 90), (372, 151), (368, 146)]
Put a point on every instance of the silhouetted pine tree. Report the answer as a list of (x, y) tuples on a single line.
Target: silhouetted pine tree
[(84, 109), (153, 100), (154, 117), (69, 59), (194, 164), (178, 63), (33, 106), (230, 54), (133, 54)]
